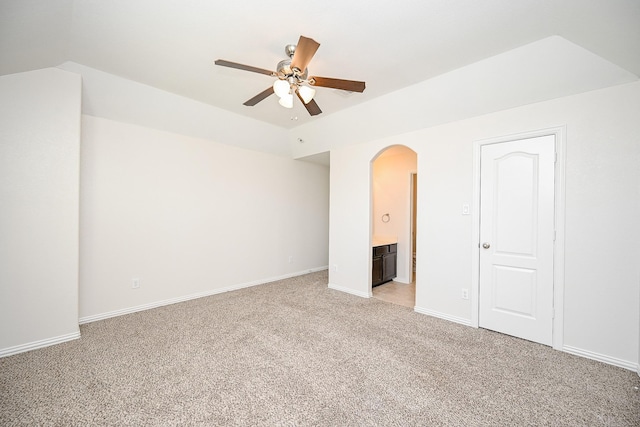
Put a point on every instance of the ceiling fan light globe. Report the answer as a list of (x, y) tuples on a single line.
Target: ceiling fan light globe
[(281, 88), (306, 93), (286, 101)]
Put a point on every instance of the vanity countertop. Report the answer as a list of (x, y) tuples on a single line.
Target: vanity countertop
[(383, 240)]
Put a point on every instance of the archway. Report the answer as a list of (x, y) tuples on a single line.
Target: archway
[(393, 225)]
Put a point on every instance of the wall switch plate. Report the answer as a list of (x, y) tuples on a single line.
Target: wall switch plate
[(135, 283), (465, 293), (290, 259), (466, 210)]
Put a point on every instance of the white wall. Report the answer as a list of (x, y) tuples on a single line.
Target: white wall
[(391, 193), (602, 207), (39, 192), (190, 217), (545, 69), (111, 97)]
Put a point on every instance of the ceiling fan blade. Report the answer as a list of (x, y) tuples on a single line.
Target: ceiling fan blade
[(305, 49), (259, 97), (312, 106), (349, 85), (230, 64)]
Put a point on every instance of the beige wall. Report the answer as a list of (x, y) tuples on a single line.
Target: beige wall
[(185, 216), (190, 217)]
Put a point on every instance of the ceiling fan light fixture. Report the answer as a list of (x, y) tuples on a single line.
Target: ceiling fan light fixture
[(293, 78), (286, 101), (281, 88), (306, 93)]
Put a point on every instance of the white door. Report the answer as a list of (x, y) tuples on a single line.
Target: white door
[(517, 238)]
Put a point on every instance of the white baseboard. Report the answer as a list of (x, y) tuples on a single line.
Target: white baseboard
[(350, 291), (9, 351), (444, 316), (156, 304), (567, 349), (601, 358)]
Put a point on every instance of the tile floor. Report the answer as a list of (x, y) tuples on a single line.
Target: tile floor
[(396, 293)]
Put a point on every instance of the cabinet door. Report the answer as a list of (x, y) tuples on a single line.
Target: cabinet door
[(376, 276), (389, 266)]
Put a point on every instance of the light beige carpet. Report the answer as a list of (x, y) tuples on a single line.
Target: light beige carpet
[(295, 353)]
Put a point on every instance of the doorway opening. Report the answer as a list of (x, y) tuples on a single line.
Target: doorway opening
[(393, 225)]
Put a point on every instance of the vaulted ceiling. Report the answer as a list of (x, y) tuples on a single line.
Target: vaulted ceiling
[(171, 44)]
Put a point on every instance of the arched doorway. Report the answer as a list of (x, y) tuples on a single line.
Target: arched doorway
[(393, 224)]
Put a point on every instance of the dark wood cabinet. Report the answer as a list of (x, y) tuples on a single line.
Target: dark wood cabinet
[(384, 264), (389, 266), (376, 277)]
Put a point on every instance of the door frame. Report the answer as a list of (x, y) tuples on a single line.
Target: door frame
[(559, 220), (413, 219)]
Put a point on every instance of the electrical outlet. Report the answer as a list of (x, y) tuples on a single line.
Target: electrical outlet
[(135, 283), (465, 293)]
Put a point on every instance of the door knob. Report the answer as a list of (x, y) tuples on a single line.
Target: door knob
[(486, 245)]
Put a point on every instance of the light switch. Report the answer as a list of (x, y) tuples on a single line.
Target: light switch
[(465, 209)]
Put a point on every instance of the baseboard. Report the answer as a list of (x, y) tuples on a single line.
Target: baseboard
[(443, 316), (402, 280), (9, 351), (601, 358), (568, 349), (349, 291), (156, 304)]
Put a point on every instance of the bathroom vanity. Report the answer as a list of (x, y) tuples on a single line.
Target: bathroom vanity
[(385, 258)]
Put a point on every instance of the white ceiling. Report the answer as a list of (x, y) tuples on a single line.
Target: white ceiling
[(171, 44)]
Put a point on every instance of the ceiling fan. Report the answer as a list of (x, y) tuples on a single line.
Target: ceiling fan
[(293, 77)]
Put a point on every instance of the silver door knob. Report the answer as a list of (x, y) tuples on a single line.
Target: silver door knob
[(486, 245)]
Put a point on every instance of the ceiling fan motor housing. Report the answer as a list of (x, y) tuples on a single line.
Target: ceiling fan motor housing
[(285, 71)]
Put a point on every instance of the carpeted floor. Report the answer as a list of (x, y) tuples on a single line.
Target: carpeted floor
[(295, 353)]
